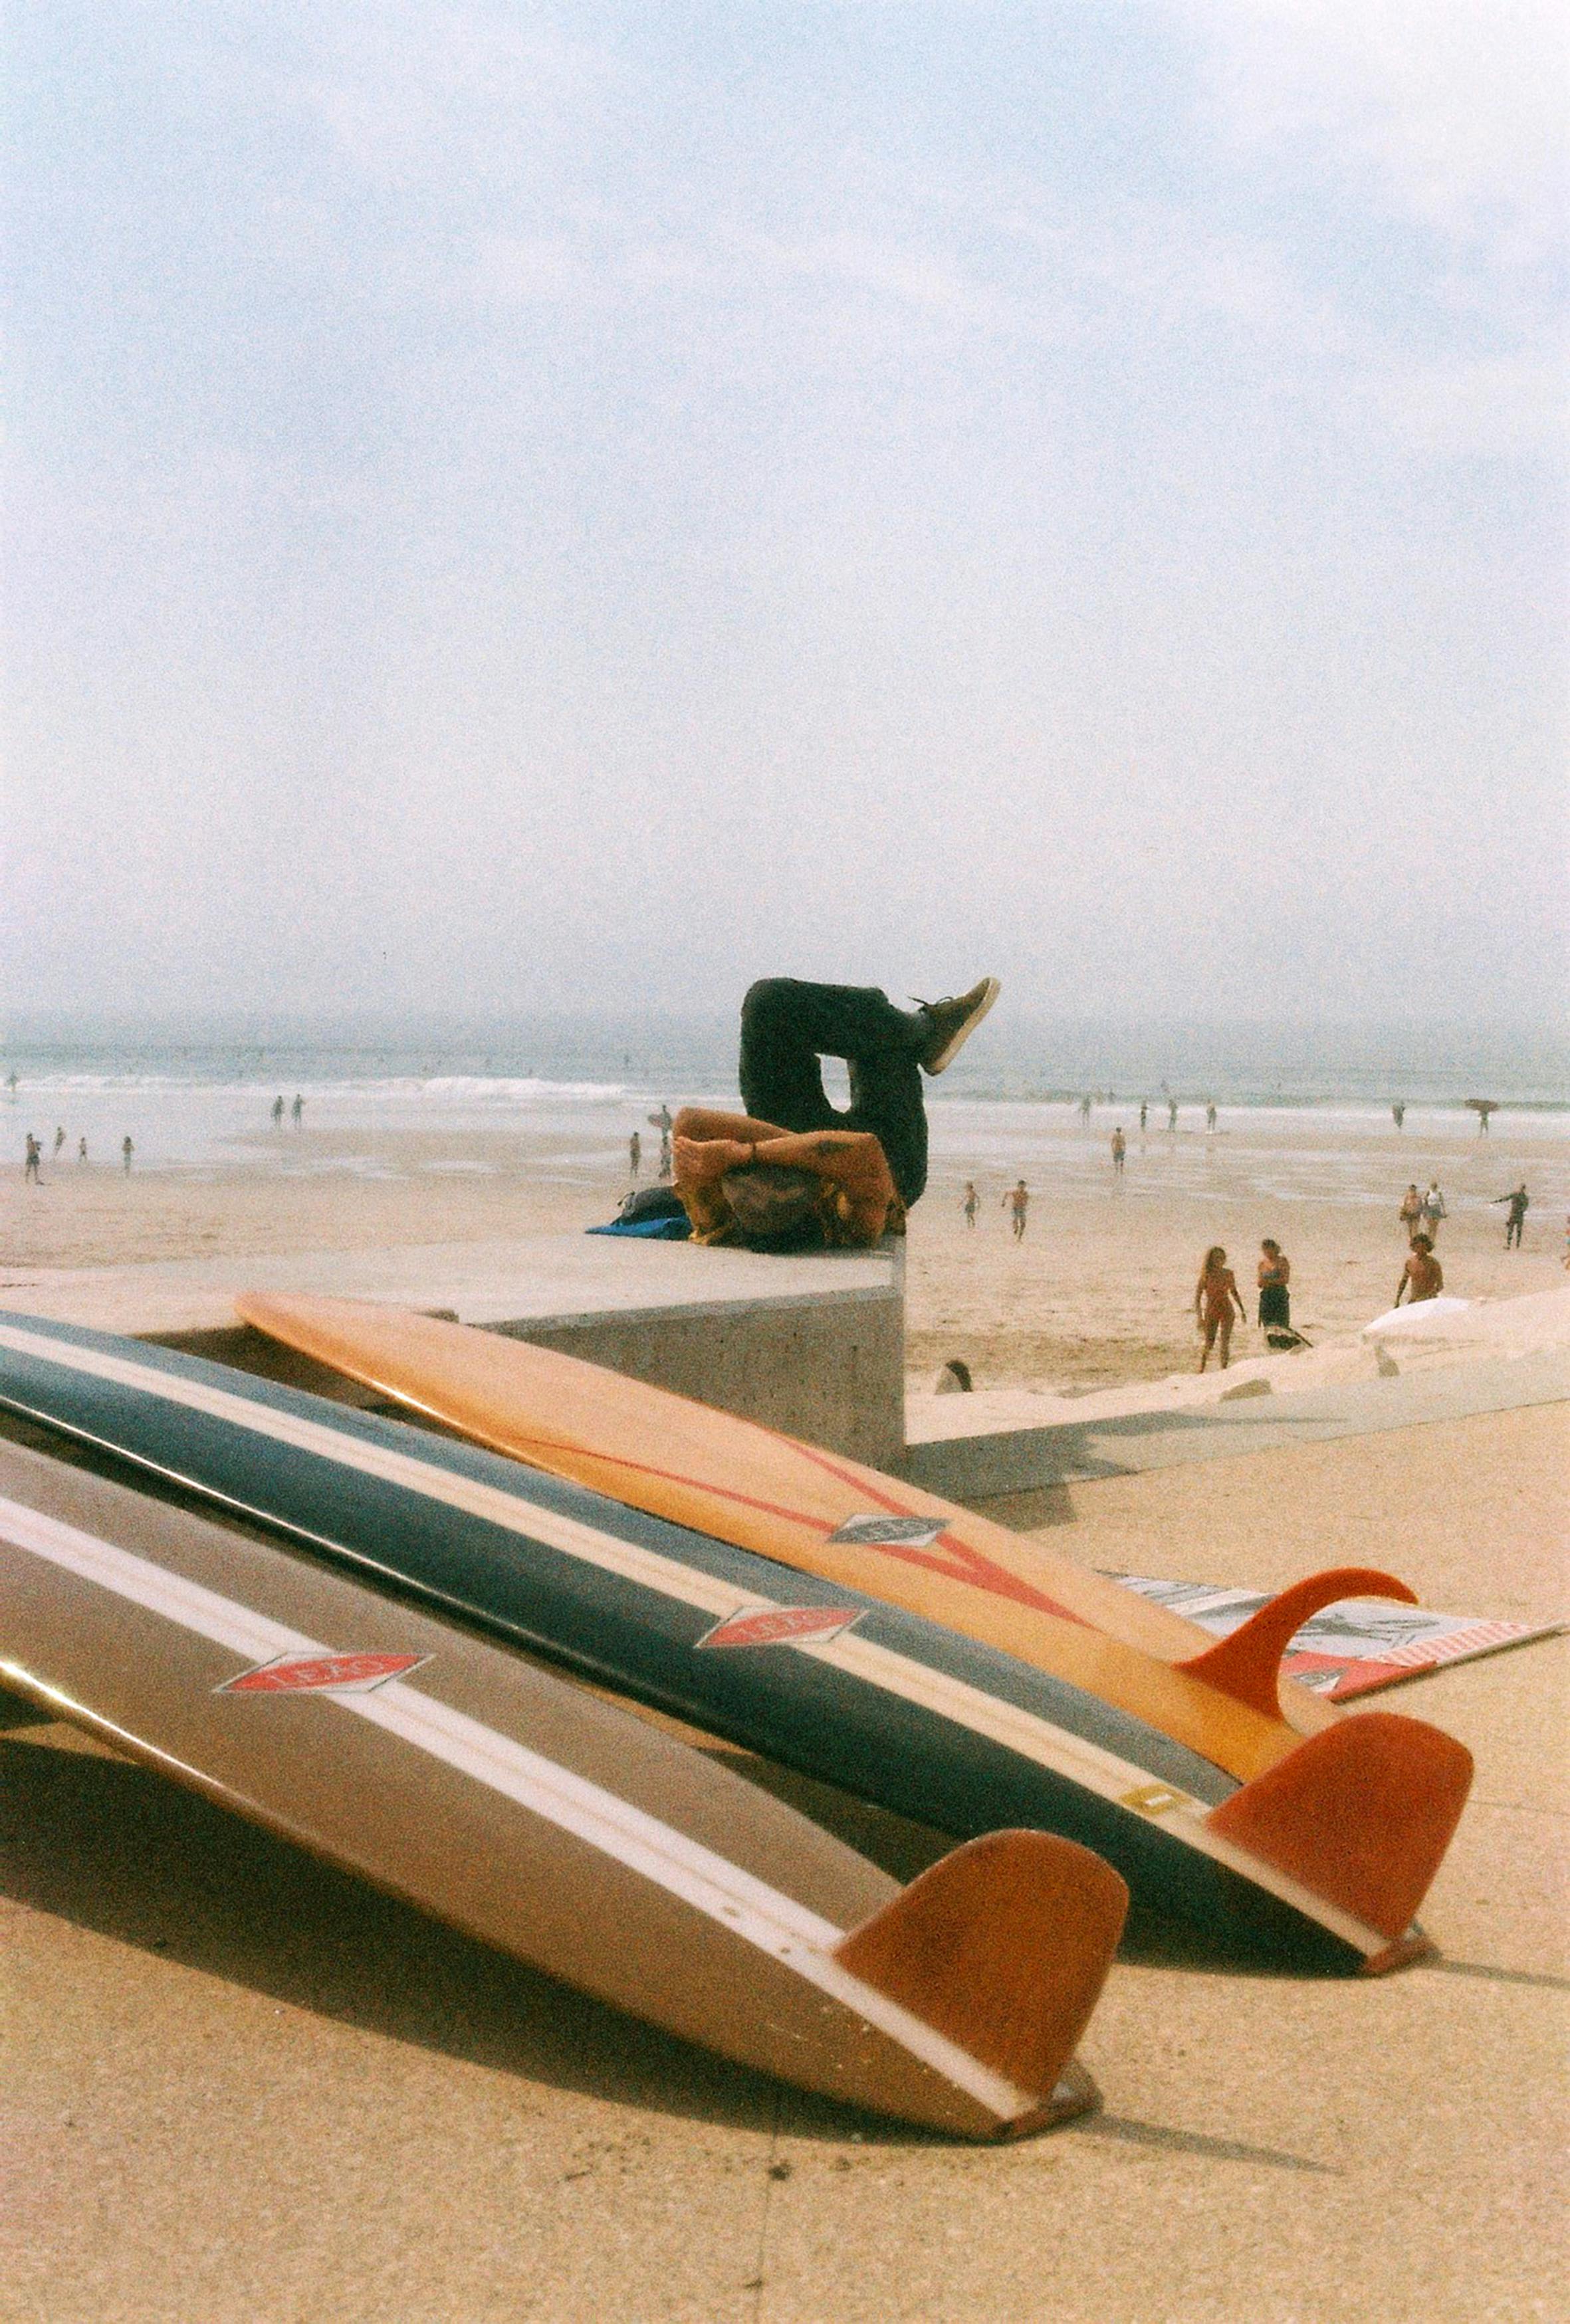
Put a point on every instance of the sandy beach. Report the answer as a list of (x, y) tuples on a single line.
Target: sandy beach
[(1099, 1291)]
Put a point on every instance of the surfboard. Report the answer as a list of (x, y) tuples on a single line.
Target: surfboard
[(1320, 1861), (819, 1512), (518, 1807)]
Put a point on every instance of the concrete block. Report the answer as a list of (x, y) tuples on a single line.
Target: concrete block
[(812, 1345)]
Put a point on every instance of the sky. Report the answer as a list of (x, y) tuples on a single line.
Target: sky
[(521, 507)]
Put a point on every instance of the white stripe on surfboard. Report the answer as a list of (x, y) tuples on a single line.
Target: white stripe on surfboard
[(1026, 1733), (764, 1917)]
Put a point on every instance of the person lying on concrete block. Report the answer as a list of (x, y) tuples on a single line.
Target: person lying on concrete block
[(793, 1173)]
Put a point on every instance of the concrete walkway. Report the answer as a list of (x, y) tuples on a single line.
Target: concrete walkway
[(980, 1463), (239, 2084)]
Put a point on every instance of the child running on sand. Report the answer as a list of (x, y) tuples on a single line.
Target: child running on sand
[(1018, 1199), (1215, 1295)]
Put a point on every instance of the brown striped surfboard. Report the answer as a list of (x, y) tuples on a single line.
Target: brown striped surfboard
[(554, 1825)]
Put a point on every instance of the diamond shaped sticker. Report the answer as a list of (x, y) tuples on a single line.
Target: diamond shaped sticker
[(873, 1532), (321, 1673), (782, 1626)]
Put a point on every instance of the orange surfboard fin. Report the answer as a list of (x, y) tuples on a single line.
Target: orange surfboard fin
[(1362, 1814), (1003, 1946), (1247, 1664)]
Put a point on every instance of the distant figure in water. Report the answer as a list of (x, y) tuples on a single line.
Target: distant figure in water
[(971, 1204), (634, 1156), (1411, 1212), (81, 1149), (1210, 1115), (58, 1136), (1215, 1298), (35, 1155), (277, 1111), (1275, 1299), (11, 1084), (1084, 1108), (1119, 1147), (298, 1109), (1018, 1201), (1399, 1114), (1422, 1278), (126, 1152), (1516, 1216), (1144, 1115)]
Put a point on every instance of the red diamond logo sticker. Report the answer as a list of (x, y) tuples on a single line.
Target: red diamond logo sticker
[(321, 1673), (782, 1626)]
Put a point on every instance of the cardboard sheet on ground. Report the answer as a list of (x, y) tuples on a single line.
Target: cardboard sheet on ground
[(1354, 1647)]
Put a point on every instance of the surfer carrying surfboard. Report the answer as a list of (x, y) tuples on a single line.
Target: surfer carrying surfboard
[(794, 1172)]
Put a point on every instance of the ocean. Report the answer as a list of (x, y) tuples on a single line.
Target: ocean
[(200, 1096)]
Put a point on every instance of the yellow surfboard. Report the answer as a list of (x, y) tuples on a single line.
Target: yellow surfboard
[(830, 1516)]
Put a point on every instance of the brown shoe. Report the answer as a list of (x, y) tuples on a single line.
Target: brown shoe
[(951, 1023)]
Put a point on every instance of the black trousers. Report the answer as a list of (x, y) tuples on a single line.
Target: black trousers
[(787, 1027)]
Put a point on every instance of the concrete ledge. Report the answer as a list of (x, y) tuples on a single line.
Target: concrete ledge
[(984, 1462), (811, 1345)]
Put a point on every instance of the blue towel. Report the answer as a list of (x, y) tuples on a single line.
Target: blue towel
[(648, 1230)]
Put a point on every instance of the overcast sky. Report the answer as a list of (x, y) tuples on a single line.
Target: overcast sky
[(513, 506)]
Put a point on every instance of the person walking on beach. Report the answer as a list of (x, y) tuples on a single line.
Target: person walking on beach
[(1144, 1115), (1398, 1114), (971, 1204), (1422, 1278), (59, 1139), (1084, 1110), (126, 1152), (1516, 1215), (1171, 1113), (1018, 1200), (1411, 1212), (81, 1149), (297, 1111), (1119, 1147), (33, 1153), (794, 1172), (1210, 1115), (634, 1156), (1434, 1210), (1275, 1272), (278, 1110), (1215, 1297)]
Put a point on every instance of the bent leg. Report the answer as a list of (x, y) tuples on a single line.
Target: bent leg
[(788, 1025)]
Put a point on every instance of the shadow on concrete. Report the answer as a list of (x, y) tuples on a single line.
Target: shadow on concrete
[(1194, 2142), (1504, 1976), (115, 1848)]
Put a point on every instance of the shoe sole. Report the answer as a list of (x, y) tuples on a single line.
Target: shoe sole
[(962, 1033)]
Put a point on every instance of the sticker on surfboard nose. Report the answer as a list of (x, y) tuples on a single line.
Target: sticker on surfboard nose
[(873, 1532), (782, 1626), (321, 1673)]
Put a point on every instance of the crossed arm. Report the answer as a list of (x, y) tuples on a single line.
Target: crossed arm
[(708, 1143)]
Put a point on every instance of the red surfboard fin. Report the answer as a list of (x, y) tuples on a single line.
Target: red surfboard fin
[(1003, 1946), (1362, 1814), (1247, 1664)]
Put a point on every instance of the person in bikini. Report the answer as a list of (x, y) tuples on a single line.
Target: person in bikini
[(793, 1172), (1215, 1297)]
